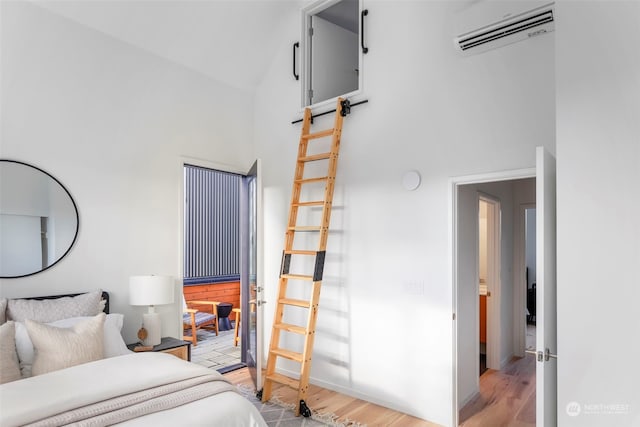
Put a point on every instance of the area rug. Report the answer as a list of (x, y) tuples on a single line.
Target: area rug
[(280, 414)]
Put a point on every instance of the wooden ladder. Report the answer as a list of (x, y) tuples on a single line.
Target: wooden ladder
[(300, 183)]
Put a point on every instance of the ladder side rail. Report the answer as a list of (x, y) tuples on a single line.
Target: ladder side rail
[(330, 185), (298, 175), (305, 368)]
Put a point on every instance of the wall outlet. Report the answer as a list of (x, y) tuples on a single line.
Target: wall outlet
[(415, 287)]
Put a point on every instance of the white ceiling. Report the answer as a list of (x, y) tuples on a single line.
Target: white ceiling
[(231, 41)]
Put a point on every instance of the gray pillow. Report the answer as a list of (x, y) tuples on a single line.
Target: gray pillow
[(3, 310), (50, 310), (9, 367)]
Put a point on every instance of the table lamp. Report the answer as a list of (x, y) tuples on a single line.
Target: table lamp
[(151, 291)]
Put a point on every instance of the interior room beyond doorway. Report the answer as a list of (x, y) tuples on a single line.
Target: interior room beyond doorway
[(482, 399)]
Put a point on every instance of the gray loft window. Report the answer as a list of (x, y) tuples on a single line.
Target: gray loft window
[(332, 64)]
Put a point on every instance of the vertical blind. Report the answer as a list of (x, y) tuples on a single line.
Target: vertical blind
[(211, 225)]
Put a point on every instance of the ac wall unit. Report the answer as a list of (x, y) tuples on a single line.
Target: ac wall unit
[(492, 24)]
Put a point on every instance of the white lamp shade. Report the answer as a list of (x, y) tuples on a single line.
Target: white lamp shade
[(150, 290)]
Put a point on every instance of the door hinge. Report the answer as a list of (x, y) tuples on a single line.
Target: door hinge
[(310, 95), (454, 316), (310, 31)]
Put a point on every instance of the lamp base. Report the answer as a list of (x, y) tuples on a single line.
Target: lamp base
[(151, 322)]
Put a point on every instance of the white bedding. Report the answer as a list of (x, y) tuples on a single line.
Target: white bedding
[(37, 398)]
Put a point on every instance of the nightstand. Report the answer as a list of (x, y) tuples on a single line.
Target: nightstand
[(179, 348)]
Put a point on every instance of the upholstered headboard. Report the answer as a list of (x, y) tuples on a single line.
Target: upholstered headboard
[(105, 297)]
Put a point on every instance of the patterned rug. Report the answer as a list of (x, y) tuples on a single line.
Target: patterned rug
[(279, 414)]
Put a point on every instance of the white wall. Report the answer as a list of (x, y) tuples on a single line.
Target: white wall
[(111, 122), (385, 329), (598, 190)]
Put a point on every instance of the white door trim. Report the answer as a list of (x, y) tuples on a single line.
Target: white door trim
[(494, 284), (519, 280), (454, 183)]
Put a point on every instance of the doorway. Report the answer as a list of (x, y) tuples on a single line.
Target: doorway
[(541, 409), (487, 245), (220, 228)]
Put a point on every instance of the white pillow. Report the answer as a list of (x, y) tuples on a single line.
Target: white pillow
[(9, 367), (113, 343), (50, 310), (59, 348)]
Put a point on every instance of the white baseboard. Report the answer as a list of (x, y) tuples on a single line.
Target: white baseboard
[(467, 400), (506, 360)]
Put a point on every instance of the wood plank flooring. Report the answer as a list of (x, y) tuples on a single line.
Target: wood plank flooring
[(507, 397), (346, 408)]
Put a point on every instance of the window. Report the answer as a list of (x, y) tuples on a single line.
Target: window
[(332, 58)]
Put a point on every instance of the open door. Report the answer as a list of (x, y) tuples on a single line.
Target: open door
[(250, 274), (546, 336)]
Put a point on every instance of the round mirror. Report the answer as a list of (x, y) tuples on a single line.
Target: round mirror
[(38, 220)]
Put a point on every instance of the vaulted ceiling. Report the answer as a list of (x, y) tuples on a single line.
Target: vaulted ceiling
[(231, 41)]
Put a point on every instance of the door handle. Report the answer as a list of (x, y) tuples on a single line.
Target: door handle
[(542, 357), (362, 15), (295, 46), (548, 355)]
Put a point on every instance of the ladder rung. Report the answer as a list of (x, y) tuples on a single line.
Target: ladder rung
[(300, 252), (291, 328), (310, 180), (296, 277), (320, 134), (288, 354), (296, 302), (313, 203), (314, 157), (281, 379), (305, 228)]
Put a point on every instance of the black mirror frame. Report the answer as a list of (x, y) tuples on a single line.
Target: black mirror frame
[(75, 207)]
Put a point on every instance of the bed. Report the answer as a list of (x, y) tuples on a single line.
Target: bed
[(70, 382)]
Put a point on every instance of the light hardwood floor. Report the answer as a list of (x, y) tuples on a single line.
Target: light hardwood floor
[(506, 398), (345, 407)]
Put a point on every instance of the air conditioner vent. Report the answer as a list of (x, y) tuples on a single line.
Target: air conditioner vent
[(506, 30), (481, 32)]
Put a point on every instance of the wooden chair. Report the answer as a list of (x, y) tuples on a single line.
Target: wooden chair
[(194, 319), (236, 338)]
